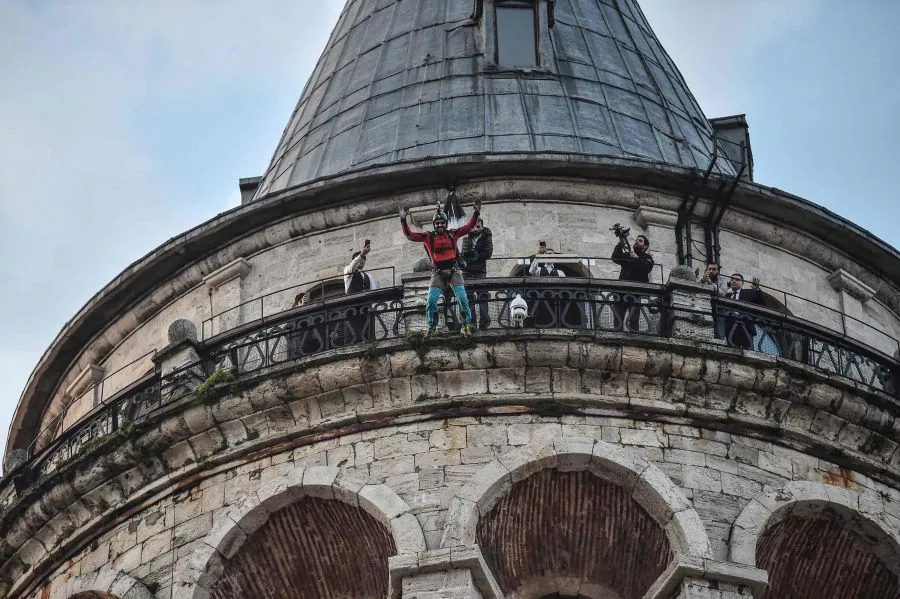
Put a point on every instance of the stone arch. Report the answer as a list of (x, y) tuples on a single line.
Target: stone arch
[(105, 583), (648, 485), (253, 510), (806, 498), (830, 507)]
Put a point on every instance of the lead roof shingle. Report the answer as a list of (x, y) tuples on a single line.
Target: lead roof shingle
[(405, 79)]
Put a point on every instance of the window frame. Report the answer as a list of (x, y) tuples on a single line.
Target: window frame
[(534, 6), (489, 39)]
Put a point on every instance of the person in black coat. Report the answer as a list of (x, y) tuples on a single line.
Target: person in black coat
[(477, 249), (636, 264), (740, 331)]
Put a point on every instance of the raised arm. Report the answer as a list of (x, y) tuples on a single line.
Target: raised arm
[(410, 234), (463, 230)]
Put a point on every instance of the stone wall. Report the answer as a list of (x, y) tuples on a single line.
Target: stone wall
[(430, 425)]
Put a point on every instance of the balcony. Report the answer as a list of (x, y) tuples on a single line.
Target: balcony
[(603, 310)]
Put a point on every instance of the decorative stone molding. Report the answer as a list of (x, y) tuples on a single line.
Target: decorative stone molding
[(866, 509), (445, 559), (112, 582), (652, 489), (646, 216), (197, 576), (421, 215), (686, 567), (844, 281), (235, 269), (89, 377)]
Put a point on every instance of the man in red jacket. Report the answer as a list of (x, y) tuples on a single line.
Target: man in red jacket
[(440, 245)]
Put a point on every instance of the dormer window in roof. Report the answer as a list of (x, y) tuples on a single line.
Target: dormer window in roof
[(516, 33)]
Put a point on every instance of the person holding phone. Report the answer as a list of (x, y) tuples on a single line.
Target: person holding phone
[(356, 279)]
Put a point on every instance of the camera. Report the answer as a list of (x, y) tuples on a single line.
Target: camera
[(518, 310), (620, 231)]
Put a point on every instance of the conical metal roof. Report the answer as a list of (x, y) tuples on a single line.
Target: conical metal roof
[(410, 79)]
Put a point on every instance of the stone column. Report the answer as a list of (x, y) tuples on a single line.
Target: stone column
[(690, 305), (660, 227), (225, 287), (415, 294)]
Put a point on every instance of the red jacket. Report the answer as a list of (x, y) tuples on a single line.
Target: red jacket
[(441, 249)]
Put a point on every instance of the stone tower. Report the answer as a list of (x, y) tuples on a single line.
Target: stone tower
[(197, 432)]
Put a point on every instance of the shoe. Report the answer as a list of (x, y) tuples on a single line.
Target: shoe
[(466, 330), (429, 332)]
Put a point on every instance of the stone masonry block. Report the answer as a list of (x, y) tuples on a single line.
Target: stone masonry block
[(506, 380), (460, 383), (537, 379), (547, 353), (603, 357), (509, 355)]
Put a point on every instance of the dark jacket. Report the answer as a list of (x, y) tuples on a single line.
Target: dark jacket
[(633, 269), (476, 254)]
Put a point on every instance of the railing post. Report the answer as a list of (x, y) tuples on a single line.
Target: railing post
[(182, 351), (690, 305), (415, 296)]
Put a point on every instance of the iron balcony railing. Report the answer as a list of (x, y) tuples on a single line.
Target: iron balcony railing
[(746, 326), (589, 305)]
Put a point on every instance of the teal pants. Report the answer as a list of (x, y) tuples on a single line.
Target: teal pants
[(461, 299)]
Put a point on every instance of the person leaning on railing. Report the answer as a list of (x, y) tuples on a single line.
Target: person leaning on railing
[(477, 249), (636, 264), (741, 331)]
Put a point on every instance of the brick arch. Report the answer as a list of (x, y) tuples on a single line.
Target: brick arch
[(792, 517), (105, 583), (647, 484), (253, 510)]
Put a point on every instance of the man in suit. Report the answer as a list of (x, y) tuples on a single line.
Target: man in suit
[(740, 331)]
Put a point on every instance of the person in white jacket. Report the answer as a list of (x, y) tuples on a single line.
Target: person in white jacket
[(541, 267), (355, 278)]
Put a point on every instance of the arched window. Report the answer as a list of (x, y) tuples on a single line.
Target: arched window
[(326, 290), (516, 33)]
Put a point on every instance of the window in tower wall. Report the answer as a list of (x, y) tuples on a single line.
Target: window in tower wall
[(516, 33)]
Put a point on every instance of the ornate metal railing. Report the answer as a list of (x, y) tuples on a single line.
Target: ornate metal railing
[(744, 326), (557, 303), (365, 318), (552, 303), (128, 406)]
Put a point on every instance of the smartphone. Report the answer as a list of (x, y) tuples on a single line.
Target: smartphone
[(543, 244), (368, 242)]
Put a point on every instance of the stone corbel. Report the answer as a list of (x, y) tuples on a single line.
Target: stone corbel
[(647, 216), (233, 270), (419, 565), (686, 567), (87, 378), (841, 280)]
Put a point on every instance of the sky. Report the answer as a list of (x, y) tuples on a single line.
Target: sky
[(123, 124)]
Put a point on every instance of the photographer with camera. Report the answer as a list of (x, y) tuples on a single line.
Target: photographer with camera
[(636, 264)]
